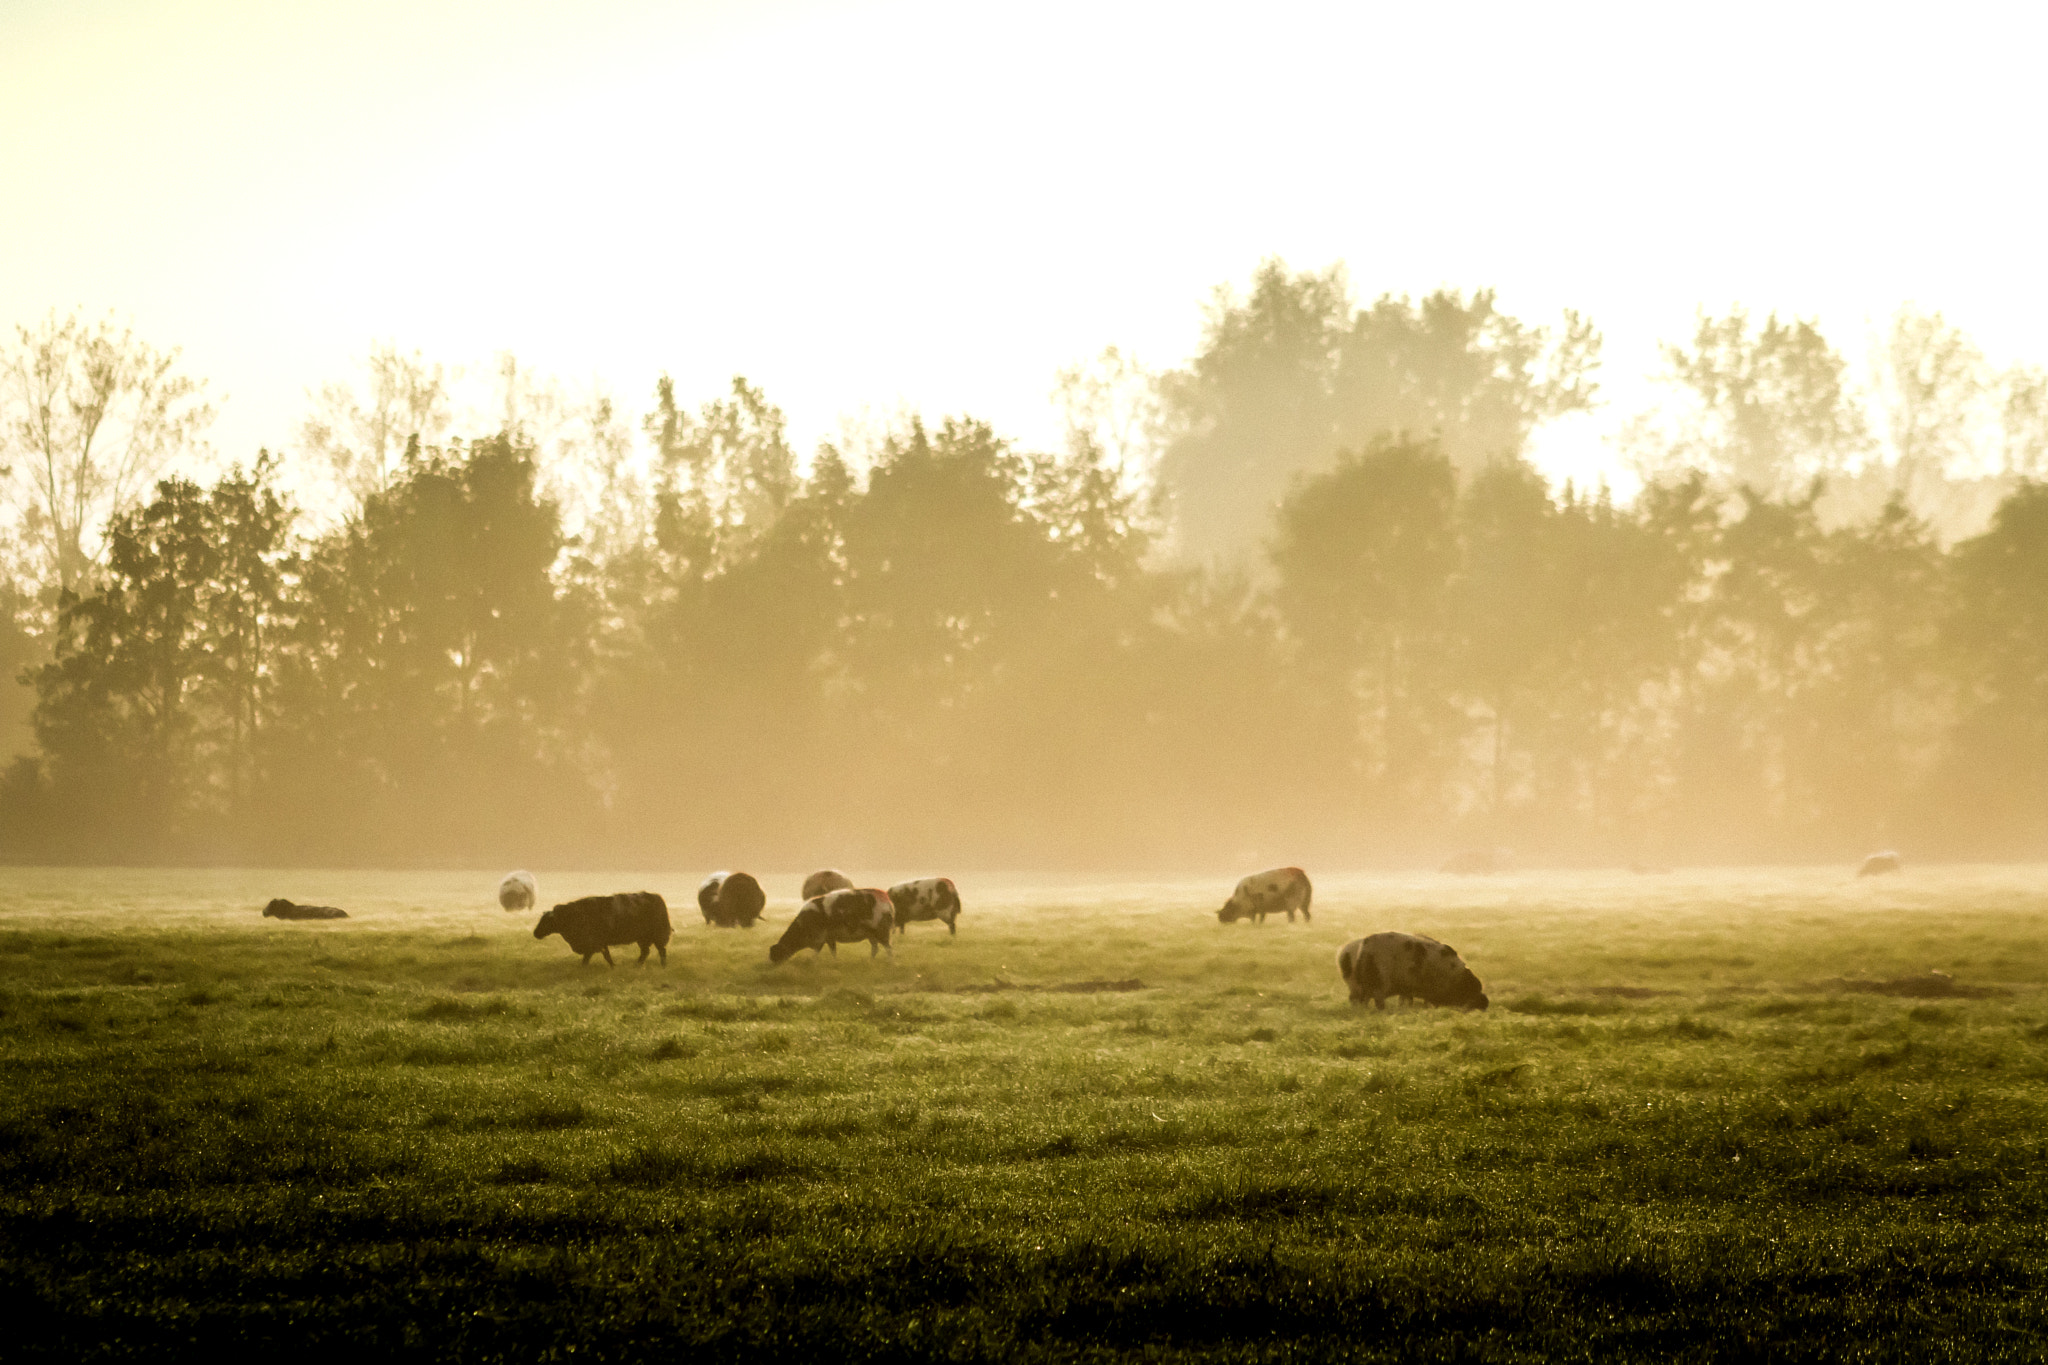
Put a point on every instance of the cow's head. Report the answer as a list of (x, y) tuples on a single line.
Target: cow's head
[(1466, 992), (547, 924), (805, 931), (276, 908), (1229, 913)]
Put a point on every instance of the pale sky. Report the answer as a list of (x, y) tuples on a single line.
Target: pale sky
[(940, 205)]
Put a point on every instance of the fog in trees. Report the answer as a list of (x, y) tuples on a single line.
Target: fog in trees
[(1302, 598)]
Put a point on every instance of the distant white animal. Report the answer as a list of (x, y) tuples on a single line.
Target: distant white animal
[(1886, 861), (518, 891)]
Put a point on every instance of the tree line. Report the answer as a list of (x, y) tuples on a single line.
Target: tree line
[(1304, 598)]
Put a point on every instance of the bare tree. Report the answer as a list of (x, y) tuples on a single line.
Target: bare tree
[(89, 417), (1111, 404), (364, 439), (2024, 419), (1934, 383), (1767, 408)]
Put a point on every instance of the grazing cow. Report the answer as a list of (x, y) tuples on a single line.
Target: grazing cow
[(1268, 893), (1878, 863), (593, 924), (731, 899), (1410, 966), (518, 891), (927, 898), (284, 909), (831, 879), (843, 916)]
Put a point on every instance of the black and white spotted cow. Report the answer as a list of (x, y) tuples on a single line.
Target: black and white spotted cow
[(847, 915), (926, 898), (1410, 966), (731, 900), (827, 879), (1268, 893)]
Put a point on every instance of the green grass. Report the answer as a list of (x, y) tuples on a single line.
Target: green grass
[(419, 1133)]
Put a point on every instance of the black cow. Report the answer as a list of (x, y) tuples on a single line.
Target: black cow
[(284, 909), (1410, 966), (731, 899), (847, 915), (593, 924), (926, 898)]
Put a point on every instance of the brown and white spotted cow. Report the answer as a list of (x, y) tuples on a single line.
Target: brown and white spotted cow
[(1410, 966), (927, 898), (830, 879), (1268, 893), (843, 916)]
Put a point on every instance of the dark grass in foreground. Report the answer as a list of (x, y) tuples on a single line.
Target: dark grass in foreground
[(462, 1146)]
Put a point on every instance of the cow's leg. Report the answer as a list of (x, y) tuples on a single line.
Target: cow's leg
[(663, 948), (608, 956), (645, 949), (833, 944), (587, 957)]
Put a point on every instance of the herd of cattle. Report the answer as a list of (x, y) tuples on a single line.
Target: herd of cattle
[(835, 911), (1409, 967)]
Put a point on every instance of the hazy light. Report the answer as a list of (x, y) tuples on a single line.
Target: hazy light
[(941, 205)]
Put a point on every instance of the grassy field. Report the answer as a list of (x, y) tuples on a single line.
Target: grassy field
[(1678, 1134)]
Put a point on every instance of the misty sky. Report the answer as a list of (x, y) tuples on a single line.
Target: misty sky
[(942, 204)]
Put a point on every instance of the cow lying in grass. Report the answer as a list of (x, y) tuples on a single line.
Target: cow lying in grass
[(593, 924), (843, 916), (927, 898), (284, 909), (1268, 893), (1410, 966), (731, 900)]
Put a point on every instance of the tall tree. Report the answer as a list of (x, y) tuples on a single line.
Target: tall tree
[(150, 704), (89, 416), (433, 668), (729, 463), (1461, 371), (1365, 555), (1292, 373), (363, 436), (1767, 409), (1994, 787)]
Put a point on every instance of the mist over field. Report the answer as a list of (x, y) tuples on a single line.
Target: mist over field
[(1305, 598)]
